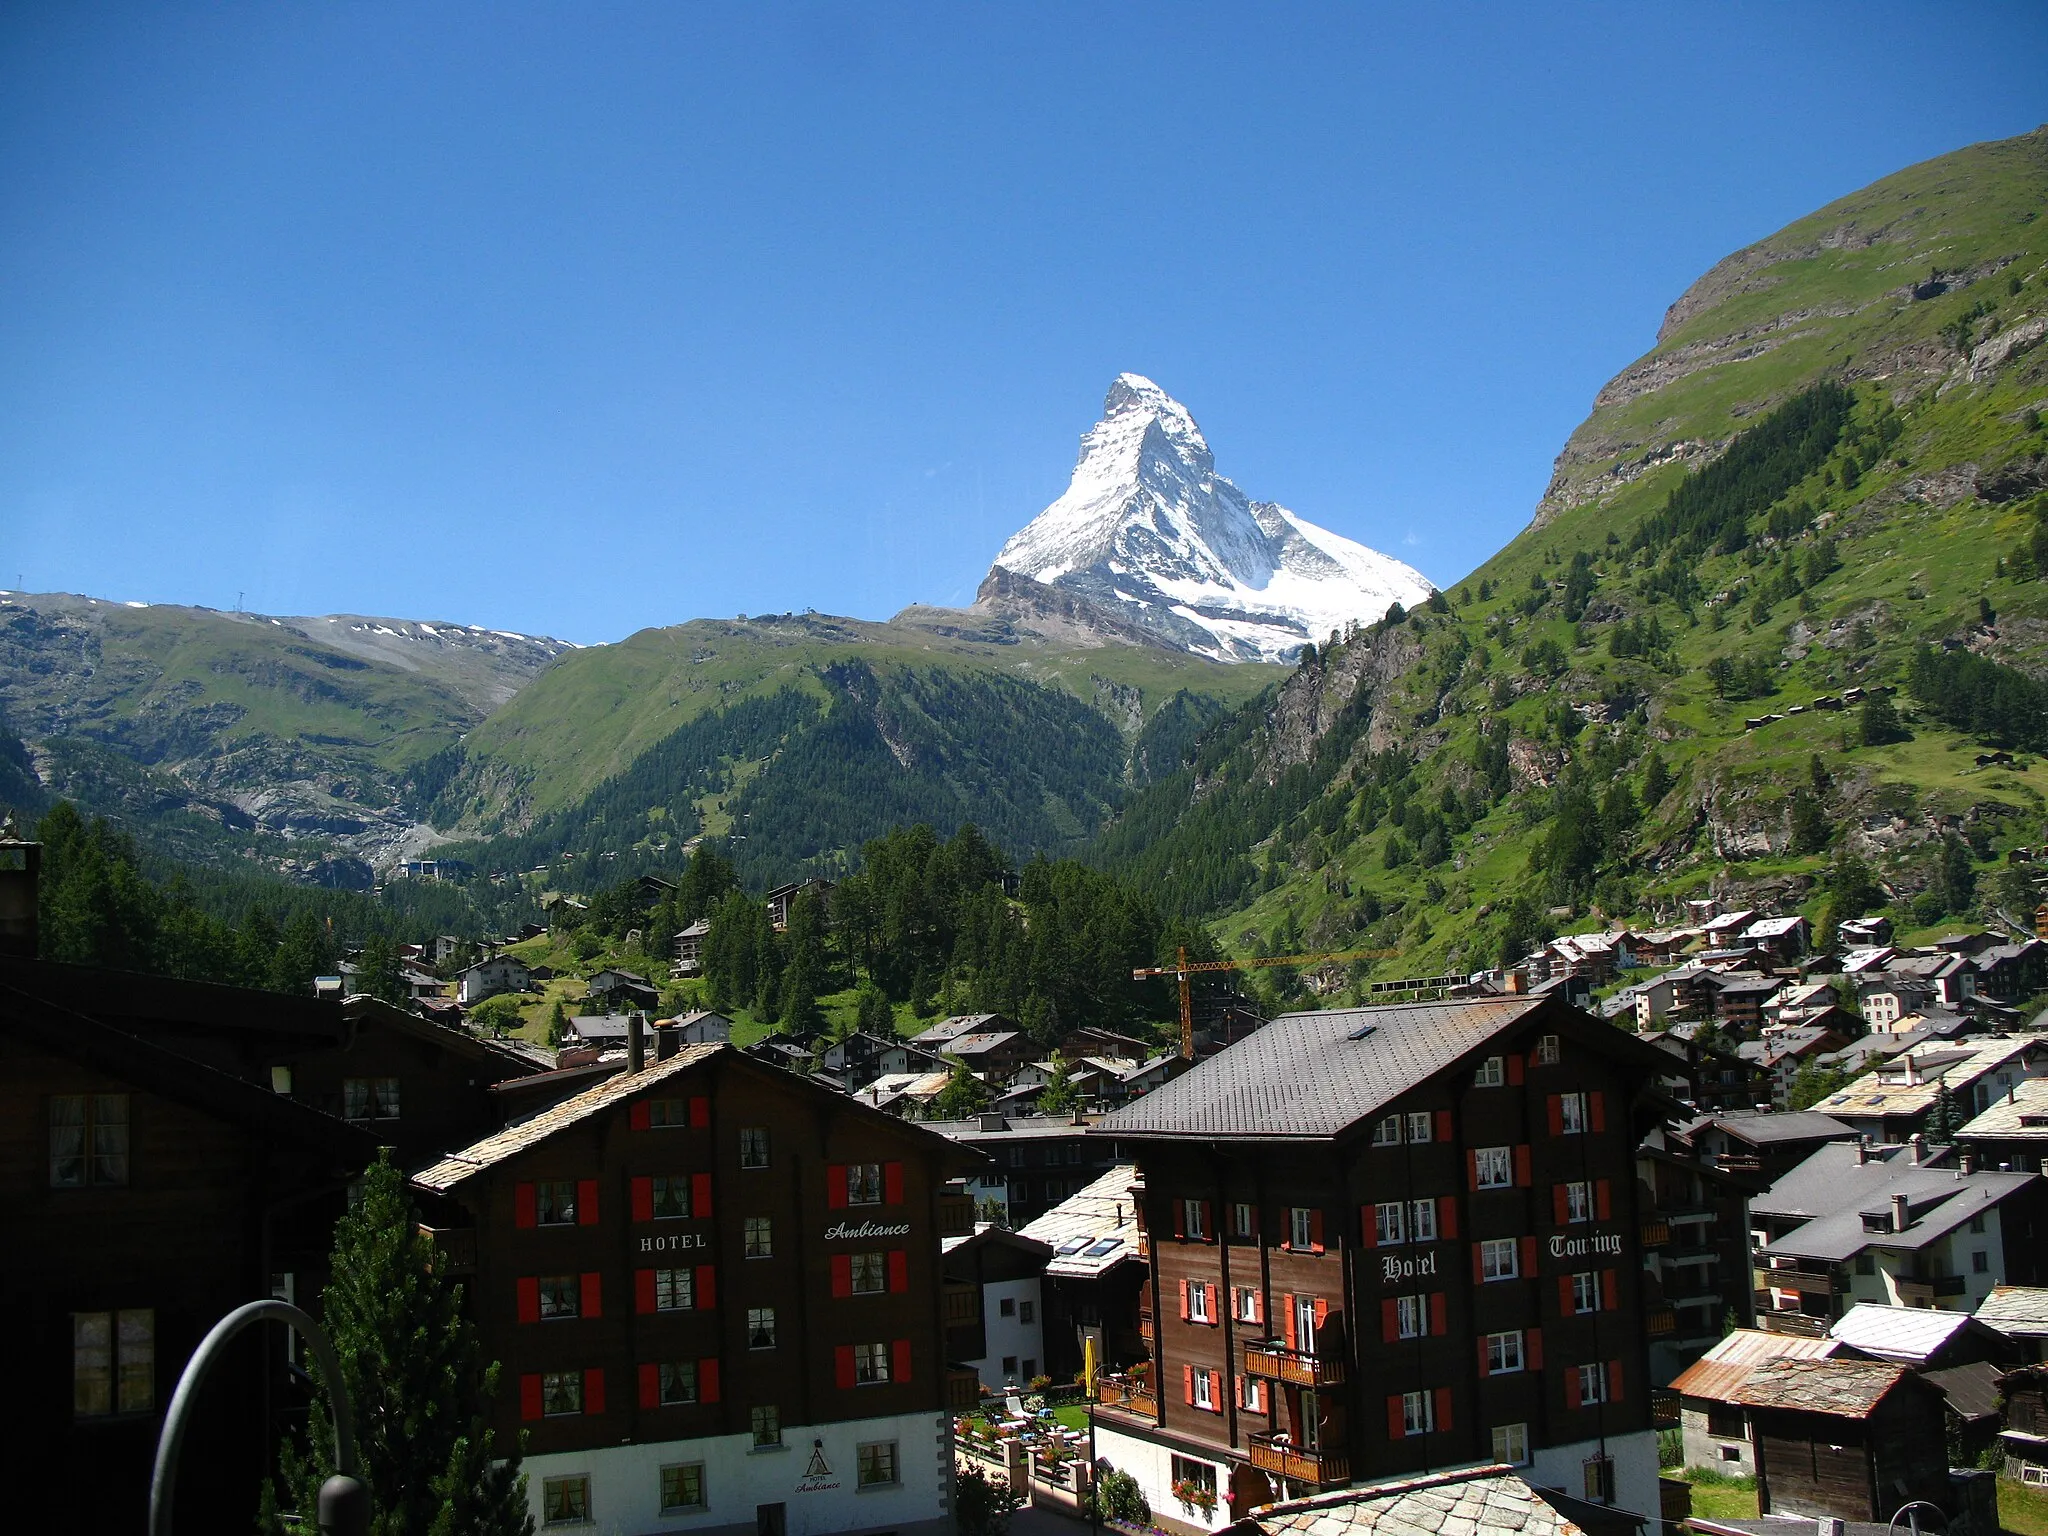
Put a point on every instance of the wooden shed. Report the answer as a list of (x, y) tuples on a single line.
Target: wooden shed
[(1852, 1439)]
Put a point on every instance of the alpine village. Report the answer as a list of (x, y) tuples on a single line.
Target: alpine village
[(1559, 1052)]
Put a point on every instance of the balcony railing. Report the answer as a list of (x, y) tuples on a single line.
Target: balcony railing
[(1804, 1282), (1273, 1453), (457, 1245), (1297, 1367), (1936, 1289), (963, 1389), (1660, 1322), (962, 1304), (1656, 1234), (1131, 1394)]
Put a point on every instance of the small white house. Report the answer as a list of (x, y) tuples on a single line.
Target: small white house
[(488, 978)]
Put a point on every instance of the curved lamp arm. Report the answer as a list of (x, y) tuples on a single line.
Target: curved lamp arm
[(343, 1497)]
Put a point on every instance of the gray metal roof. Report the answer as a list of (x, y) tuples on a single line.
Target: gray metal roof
[(1769, 1130), (1833, 1190), (1313, 1075)]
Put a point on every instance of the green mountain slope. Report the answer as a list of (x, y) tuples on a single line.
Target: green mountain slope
[(1827, 463)]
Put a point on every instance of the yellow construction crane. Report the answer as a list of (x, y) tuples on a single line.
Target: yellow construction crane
[(1184, 968)]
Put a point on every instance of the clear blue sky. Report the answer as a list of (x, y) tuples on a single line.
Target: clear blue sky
[(576, 323)]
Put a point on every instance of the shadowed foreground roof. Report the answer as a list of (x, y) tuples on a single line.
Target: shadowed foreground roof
[(1483, 1499)]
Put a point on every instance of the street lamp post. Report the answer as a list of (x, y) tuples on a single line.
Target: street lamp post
[(344, 1499)]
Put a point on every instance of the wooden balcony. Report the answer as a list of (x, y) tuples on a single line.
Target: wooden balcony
[(1128, 1394), (961, 1304), (1659, 1322), (1937, 1289), (1323, 1468), (1300, 1368), (963, 1389), (458, 1248), (956, 1213), (1805, 1282), (1656, 1234)]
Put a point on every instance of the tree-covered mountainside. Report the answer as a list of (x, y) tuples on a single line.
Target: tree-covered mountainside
[(1829, 475)]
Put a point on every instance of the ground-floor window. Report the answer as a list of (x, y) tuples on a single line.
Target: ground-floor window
[(682, 1487), (1511, 1444), (113, 1362), (565, 1500), (766, 1423), (875, 1463), (1599, 1479)]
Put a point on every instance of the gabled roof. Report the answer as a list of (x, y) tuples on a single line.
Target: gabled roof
[(1775, 1129), (1846, 1389), (1717, 1373), (1093, 1230), (1833, 1191), (1490, 1501), (2017, 1311), (1912, 1334), (2007, 1119)]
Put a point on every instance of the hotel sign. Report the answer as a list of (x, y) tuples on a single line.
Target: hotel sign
[(839, 1231), (674, 1242), (1587, 1246)]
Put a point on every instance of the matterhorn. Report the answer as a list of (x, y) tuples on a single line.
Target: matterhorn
[(1150, 531)]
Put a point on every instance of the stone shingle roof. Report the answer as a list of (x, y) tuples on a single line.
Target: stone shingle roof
[(1483, 1499), (1847, 1389), (2018, 1311), (2007, 1118)]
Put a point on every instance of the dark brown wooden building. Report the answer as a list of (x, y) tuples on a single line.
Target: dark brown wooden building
[(715, 1290), (1852, 1439), (1386, 1241)]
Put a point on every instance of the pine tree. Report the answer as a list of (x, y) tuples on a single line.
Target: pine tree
[(1656, 781), (411, 1365), (872, 1011), (303, 953), (1945, 1118), (379, 973), (1810, 828), (963, 1095), (1059, 1096), (1880, 722)]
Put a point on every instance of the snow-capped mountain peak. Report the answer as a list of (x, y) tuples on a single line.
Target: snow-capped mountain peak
[(1148, 529)]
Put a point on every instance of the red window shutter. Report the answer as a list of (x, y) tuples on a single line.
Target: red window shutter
[(1216, 1390), (1596, 1110), (842, 1274), (1472, 1169), (1603, 1198), (700, 1113), (529, 1299), (1258, 1307), (1208, 1222), (593, 1294), (1287, 1320), (1238, 1393), (1446, 1216), (1514, 1071), (1397, 1418), (1564, 1295), (707, 1286), (1369, 1226), (899, 1360), (643, 1290), (1187, 1385), (650, 1385), (1184, 1313), (1482, 1359), (1554, 1105), (1528, 1258), (835, 1185), (1322, 1313), (700, 1196), (1532, 1349), (1443, 1125), (643, 1199), (842, 1366), (1560, 1204), (1315, 1230), (1610, 1290), (641, 1116), (586, 1202), (899, 1270), (1443, 1409), (529, 1396), (593, 1390), (1439, 1314), (525, 1212), (1522, 1167), (707, 1381), (1180, 1218), (1571, 1390), (892, 1183), (1478, 1266), (1390, 1320), (1614, 1381)]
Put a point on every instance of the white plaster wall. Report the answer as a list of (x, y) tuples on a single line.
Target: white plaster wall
[(1635, 1470), (625, 1480), (1009, 1335), (1152, 1466)]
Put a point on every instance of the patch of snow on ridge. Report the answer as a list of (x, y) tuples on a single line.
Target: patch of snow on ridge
[(1148, 528)]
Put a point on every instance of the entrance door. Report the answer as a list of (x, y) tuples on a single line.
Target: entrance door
[(771, 1520), (1309, 1432)]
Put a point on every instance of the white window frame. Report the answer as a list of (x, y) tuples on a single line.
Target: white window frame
[(1585, 1292), (868, 1273), (1571, 1114), (1511, 1444), (569, 1384), (1245, 1304), (1244, 1220), (871, 1365), (1549, 1051), (1504, 1353), (1204, 1398), (1253, 1390), (756, 1147), (1418, 1413), (764, 1425), (675, 1290), (1387, 1133), (759, 1320), (759, 1237), (1592, 1384), (1411, 1316), (1390, 1224), (682, 1372), (1301, 1227), (1421, 1127), (1191, 1221), (863, 1183), (1199, 1308), (1500, 1258), (1495, 1166), (1422, 1221), (1578, 1201), (1492, 1073)]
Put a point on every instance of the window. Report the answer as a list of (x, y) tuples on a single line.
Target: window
[(668, 1114), (1245, 1304), (1503, 1352), (554, 1203), (869, 1274), (1511, 1444), (863, 1183), (1192, 1474), (1301, 1227), (1194, 1218), (1305, 1324), (1010, 1368), (870, 1364), (113, 1362), (1497, 1259), (565, 1501), (766, 1426), (1572, 1113), (88, 1139), (1419, 1127), (678, 1382), (1496, 1167), (671, 1196), (1204, 1397), (561, 1394), (1251, 1391), (1388, 1132), (1422, 1221), (760, 1327), (682, 1488), (1200, 1307), (1977, 1224), (1030, 1366), (1592, 1384), (369, 1098), (1586, 1293), (1026, 1312), (1390, 1224), (1547, 1051), (1243, 1220), (875, 1464), (1866, 1263), (1492, 1073), (1418, 1413), (1730, 1452), (1726, 1422), (1413, 1315), (1578, 1201), (1980, 1263), (1599, 1479), (760, 1237), (753, 1146), (675, 1290), (560, 1296)]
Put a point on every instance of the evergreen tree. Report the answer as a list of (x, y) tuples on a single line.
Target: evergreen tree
[(1810, 829), (379, 972), (1656, 781), (1958, 881), (964, 1095), (1880, 724), (1945, 1118), (872, 1012), (558, 1025), (302, 953), (416, 1378), (921, 999), (1059, 1096), (803, 974)]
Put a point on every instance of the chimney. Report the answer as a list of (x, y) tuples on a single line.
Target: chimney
[(1862, 1150), (1919, 1145), (636, 1041), (1912, 1071), (21, 864), (1902, 1213), (1966, 1163), (1518, 982)]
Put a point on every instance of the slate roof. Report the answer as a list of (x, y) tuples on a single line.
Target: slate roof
[(2018, 1311), (2007, 1118), (1772, 1130), (1104, 1212), (1956, 1065), (1833, 1190), (1912, 1334), (1482, 1499), (1847, 1389), (1313, 1075), (1717, 1373), (1971, 1390)]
